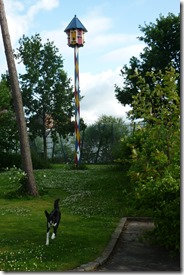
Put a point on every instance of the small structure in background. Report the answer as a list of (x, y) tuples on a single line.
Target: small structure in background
[(75, 32)]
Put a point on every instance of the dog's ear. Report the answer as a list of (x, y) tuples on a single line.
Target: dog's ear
[(46, 214)]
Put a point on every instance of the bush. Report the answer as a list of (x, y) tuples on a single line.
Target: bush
[(153, 154), (127, 149), (155, 172), (8, 160), (39, 162), (163, 197), (167, 222)]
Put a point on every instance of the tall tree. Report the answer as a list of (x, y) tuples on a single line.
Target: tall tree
[(24, 141), (158, 104), (155, 155), (46, 89), (102, 138), (8, 126), (162, 51)]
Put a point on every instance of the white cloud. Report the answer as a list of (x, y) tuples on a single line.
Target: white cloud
[(41, 5), (17, 22), (104, 41), (17, 25), (123, 55), (99, 96), (96, 23), (20, 19)]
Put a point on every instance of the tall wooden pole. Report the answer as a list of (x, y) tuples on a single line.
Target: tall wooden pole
[(18, 106)]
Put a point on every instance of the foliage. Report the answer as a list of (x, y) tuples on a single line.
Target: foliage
[(158, 103), (64, 150), (163, 196), (38, 161), (8, 125), (9, 160), (162, 50), (155, 155), (127, 145), (163, 40), (46, 90), (102, 139), (151, 87), (16, 175), (155, 171)]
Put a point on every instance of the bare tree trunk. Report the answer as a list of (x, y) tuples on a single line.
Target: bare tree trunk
[(18, 106)]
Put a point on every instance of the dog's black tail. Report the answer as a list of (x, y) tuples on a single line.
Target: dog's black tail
[(56, 204)]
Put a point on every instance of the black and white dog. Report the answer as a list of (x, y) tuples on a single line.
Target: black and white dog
[(53, 220)]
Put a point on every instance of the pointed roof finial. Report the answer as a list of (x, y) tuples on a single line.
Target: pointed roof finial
[(75, 24)]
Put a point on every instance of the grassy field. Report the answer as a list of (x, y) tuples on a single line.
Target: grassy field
[(92, 201)]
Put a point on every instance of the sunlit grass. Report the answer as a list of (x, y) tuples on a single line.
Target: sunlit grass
[(92, 201)]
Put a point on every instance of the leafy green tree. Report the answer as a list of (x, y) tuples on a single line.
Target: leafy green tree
[(160, 103), (8, 126), (163, 50), (155, 154), (46, 89), (102, 139)]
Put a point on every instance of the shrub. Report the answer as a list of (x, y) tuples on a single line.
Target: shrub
[(155, 173), (39, 162), (155, 153), (16, 175), (9, 160), (163, 197), (17, 178)]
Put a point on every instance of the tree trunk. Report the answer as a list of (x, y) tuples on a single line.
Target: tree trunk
[(44, 133), (53, 150), (82, 143), (30, 185), (63, 149), (98, 150)]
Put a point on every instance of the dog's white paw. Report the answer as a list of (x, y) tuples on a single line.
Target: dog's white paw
[(53, 236)]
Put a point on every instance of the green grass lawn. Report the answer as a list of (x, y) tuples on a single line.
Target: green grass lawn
[(92, 201)]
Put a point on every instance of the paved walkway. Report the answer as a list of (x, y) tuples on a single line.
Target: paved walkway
[(133, 254), (128, 250)]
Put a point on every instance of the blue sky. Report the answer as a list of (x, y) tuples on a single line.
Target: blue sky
[(111, 40)]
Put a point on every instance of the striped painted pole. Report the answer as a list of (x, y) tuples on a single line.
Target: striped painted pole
[(77, 107), (75, 33)]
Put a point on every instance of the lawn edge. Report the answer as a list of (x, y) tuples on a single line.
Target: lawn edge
[(107, 252), (91, 266)]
